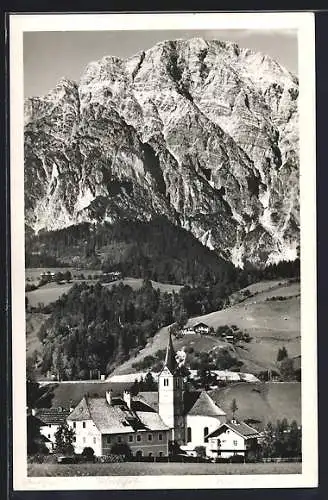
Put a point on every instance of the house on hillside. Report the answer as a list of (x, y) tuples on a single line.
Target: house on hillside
[(232, 438), (202, 328), (110, 277), (51, 419), (188, 330)]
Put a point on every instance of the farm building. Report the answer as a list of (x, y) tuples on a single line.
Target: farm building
[(188, 331), (50, 420), (101, 422), (232, 438), (202, 328)]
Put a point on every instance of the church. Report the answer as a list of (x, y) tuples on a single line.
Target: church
[(149, 421)]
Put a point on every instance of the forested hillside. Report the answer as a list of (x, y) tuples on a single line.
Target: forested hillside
[(156, 250), (95, 328)]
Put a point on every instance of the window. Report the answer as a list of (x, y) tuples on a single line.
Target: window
[(130, 439), (139, 454), (150, 437), (150, 454), (160, 436), (83, 425), (94, 440), (48, 436), (119, 439), (205, 434), (74, 425), (166, 382), (138, 437), (235, 443), (49, 426), (74, 439), (188, 434), (108, 439), (160, 454)]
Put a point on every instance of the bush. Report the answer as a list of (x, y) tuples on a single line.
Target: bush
[(88, 453), (237, 459), (109, 459)]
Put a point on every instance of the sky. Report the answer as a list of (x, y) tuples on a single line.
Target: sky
[(50, 56)]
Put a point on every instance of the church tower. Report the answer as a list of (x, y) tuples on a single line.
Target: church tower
[(170, 394)]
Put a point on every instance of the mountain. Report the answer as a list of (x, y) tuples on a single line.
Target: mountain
[(201, 132)]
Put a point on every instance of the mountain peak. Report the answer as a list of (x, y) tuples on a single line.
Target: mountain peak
[(200, 131)]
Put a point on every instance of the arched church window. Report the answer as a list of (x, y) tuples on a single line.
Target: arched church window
[(205, 434), (189, 434)]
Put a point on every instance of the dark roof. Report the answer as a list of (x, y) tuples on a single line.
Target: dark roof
[(34, 421), (241, 428), (147, 399), (56, 416), (170, 361), (200, 324)]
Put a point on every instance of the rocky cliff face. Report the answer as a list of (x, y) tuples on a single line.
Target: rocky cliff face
[(201, 131)]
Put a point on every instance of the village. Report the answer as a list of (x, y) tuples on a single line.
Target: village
[(166, 424)]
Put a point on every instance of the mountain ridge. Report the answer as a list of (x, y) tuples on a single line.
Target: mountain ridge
[(183, 129)]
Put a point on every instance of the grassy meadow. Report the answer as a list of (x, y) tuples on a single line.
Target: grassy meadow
[(154, 469), (271, 324)]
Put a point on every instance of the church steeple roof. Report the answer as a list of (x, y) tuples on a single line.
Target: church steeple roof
[(170, 361)]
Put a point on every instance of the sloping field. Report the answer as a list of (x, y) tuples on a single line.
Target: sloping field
[(271, 324), (52, 291), (33, 324), (47, 294), (68, 394), (262, 402), (256, 288)]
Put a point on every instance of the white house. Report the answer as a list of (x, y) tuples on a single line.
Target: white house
[(188, 330), (51, 419), (232, 438), (202, 417), (202, 328), (101, 422)]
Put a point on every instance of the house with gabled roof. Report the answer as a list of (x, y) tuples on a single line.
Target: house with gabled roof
[(232, 438), (201, 328), (101, 422), (50, 421)]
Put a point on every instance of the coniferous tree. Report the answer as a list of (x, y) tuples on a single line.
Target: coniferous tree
[(64, 438), (233, 408)]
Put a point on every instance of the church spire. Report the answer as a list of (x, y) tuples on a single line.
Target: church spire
[(170, 361)]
